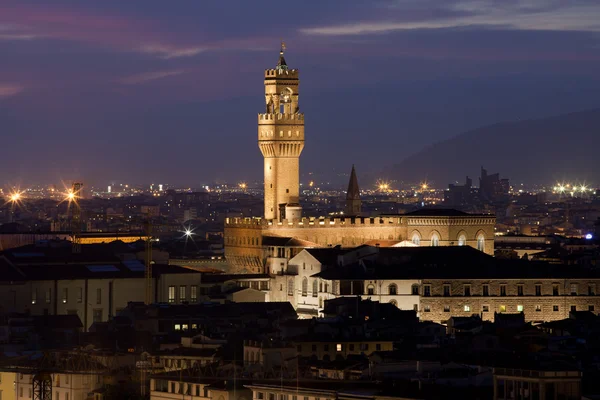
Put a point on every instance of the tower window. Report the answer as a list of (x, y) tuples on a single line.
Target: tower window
[(280, 133), (271, 186), (289, 133), (287, 190)]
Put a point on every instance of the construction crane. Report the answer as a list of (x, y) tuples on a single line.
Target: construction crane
[(73, 195), (148, 259)]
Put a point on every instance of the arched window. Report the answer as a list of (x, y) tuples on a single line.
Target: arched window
[(315, 288), (416, 238), (320, 302), (304, 286), (462, 240), (393, 289), (435, 240), (291, 287), (394, 302), (481, 242), (371, 290)]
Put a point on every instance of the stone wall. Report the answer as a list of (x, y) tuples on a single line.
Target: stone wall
[(544, 307)]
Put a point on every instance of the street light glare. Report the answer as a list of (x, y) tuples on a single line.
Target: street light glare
[(15, 196), (188, 232)]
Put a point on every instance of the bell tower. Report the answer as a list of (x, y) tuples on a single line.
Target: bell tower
[(281, 140)]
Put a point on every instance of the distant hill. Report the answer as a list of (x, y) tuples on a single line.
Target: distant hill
[(564, 147)]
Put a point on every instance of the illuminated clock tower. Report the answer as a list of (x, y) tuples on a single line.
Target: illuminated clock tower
[(281, 140)]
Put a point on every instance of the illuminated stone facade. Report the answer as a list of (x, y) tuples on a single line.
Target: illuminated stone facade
[(281, 140)]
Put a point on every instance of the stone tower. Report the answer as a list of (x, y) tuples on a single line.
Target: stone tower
[(281, 140), (353, 203)]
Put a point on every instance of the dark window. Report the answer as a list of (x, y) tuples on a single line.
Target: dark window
[(554, 290), (590, 307), (485, 308), (502, 290), (554, 308), (415, 290), (486, 290), (393, 289), (467, 290), (538, 290), (519, 290), (447, 290), (446, 308), (426, 290), (573, 308), (378, 346), (314, 347), (325, 347)]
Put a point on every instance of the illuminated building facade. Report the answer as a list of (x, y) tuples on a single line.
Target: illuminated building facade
[(264, 245)]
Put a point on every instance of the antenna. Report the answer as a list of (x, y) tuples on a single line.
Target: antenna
[(148, 259)]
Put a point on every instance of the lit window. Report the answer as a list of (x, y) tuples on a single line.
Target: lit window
[(304, 286), (416, 239), (467, 308), (182, 293), (462, 240), (427, 309), (481, 243), (446, 308), (485, 309), (435, 240), (502, 308), (177, 327), (193, 294), (538, 308), (338, 347), (519, 308), (171, 294)]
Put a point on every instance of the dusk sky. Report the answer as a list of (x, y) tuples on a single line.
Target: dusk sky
[(168, 91)]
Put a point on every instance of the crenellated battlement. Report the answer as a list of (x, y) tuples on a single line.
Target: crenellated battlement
[(325, 222), (270, 118), (281, 73), (312, 222)]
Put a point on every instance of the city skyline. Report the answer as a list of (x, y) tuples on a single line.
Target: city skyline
[(163, 91)]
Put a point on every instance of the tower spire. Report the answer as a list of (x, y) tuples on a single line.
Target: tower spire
[(353, 203), (281, 64)]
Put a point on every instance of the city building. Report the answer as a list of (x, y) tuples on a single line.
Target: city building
[(281, 141), (446, 282), (492, 188), (93, 284)]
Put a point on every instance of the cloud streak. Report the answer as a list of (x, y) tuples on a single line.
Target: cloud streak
[(149, 76), (169, 51), (529, 15), (7, 90)]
